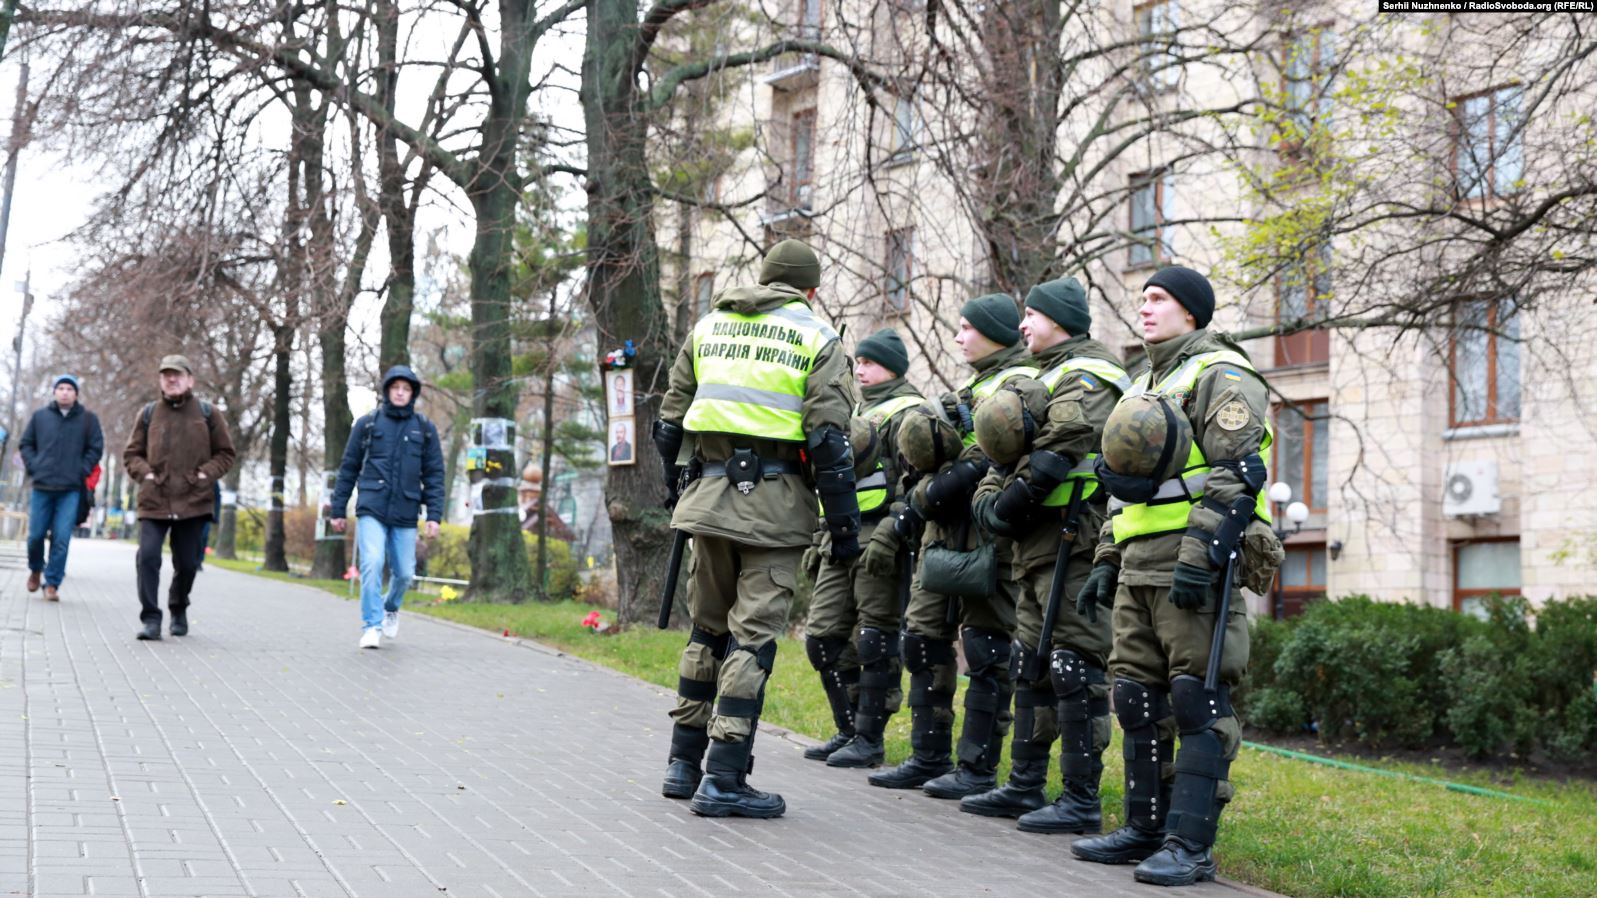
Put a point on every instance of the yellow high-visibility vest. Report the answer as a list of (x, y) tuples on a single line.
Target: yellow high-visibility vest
[(752, 371), (1167, 511), (1111, 374), (982, 386)]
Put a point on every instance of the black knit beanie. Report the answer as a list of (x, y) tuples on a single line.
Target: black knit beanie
[(996, 316), (1065, 301), (885, 348), (1190, 288)]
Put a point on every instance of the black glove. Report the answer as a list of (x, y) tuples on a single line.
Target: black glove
[(1048, 470), (1100, 590), (948, 494), (844, 548), (908, 525), (1189, 586), (1015, 504)]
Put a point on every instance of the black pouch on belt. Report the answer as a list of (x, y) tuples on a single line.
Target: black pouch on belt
[(743, 469)]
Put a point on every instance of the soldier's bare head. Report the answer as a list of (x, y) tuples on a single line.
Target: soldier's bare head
[(1162, 317)]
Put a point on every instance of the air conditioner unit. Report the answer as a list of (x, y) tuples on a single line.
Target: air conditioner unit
[(1471, 489)]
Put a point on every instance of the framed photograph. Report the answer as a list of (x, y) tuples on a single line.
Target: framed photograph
[(618, 387), (622, 442)]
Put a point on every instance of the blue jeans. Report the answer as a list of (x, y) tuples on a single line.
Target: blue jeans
[(55, 514), (376, 543)]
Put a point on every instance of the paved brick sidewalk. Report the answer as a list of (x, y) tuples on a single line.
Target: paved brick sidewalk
[(265, 755)]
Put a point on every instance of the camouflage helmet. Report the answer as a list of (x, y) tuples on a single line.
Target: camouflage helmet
[(1147, 436), (867, 446), (927, 439), (1005, 426)]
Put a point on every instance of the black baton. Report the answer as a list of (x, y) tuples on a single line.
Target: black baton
[(673, 570)]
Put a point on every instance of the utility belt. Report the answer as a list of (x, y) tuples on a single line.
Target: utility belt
[(745, 469)]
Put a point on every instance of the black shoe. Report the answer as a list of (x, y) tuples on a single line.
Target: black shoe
[(151, 631), (861, 751), (681, 779), (180, 624), (960, 782), (912, 774), (1126, 845), (1174, 864), (823, 751), (1068, 814), (1007, 800), (735, 798)]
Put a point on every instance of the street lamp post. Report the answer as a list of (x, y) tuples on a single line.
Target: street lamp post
[(1297, 513)]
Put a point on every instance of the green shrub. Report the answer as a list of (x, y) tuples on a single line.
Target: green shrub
[(1564, 668), (449, 557)]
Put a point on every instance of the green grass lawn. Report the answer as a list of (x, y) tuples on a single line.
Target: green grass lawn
[(1298, 828)]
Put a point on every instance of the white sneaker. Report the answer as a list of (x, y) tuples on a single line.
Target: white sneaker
[(371, 638), (391, 624)]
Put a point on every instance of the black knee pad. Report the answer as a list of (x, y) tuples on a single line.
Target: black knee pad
[(824, 651), (1139, 707), (1068, 672), (1197, 710), (875, 646), (986, 651), (718, 645), (764, 654), (922, 653)]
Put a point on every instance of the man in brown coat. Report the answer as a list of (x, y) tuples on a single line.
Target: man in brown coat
[(179, 448)]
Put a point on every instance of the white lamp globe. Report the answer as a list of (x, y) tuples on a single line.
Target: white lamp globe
[(1280, 492), (1297, 512)]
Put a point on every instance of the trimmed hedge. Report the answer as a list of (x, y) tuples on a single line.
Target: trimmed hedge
[(448, 557), (1386, 674)]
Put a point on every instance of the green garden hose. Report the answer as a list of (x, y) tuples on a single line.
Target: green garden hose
[(1345, 765)]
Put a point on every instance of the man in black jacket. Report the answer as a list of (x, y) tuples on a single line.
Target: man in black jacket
[(394, 457), (59, 448)]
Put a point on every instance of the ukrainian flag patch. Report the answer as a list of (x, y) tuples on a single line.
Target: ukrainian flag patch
[(1091, 384), (1231, 373)]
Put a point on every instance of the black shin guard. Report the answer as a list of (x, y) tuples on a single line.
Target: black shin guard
[(987, 653), (1201, 764), (879, 675), (1140, 710)]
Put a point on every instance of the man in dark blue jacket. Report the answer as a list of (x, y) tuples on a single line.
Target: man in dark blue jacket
[(59, 448), (394, 457)]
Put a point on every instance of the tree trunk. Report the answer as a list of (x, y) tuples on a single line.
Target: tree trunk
[(547, 438), (337, 420), (282, 421), (624, 291), (399, 219), (457, 441), (227, 528), (499, 568)]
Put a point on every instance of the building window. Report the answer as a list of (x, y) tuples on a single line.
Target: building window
[(801, 161), (1489, 143), (1310, 60), (900, 268), (1301, 450), (1159, 65), (1485, 363), (809, 16), (1481, 569), (1303, 292), (906, 127), (1150, 204), (1302, 579), (703, 293)]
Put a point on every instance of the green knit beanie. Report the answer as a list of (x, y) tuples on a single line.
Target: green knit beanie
[(1065, 301), (996, 316), (792, 263), (885, 348)]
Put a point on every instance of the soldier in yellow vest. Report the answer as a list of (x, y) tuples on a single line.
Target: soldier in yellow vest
[(851, 634), (1202, 410), (756, 420), (1045, 483), (952, 547)]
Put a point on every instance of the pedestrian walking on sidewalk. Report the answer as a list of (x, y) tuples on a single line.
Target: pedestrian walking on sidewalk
[(179, 448), (60, 447), (394, 457)]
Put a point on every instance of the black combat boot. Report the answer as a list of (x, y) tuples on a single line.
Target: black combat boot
[(1078, 808), (682, 773), (725, 791), (1023, 793), (824, 654), (1140, 709), (1195, 805), (879, 674), (180, 622), (931, 731)]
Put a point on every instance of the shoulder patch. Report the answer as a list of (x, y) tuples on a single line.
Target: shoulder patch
[(1234, 415), (1231, 373)]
